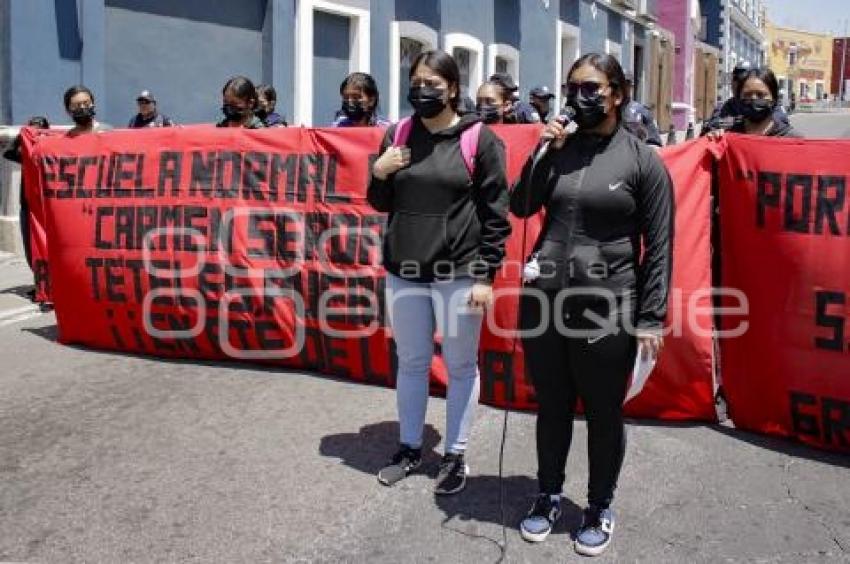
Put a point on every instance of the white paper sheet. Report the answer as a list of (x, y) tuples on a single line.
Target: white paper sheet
[(640, 373)]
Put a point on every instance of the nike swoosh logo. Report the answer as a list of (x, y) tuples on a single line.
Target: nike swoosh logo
[(592, 340), (613, 187)]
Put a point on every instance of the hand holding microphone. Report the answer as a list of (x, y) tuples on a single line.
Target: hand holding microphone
[(556, 131)]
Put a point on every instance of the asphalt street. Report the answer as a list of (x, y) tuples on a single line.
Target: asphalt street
[(113, 458), (826, 125)]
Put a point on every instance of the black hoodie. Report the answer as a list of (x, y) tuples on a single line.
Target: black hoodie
[(442, 224)]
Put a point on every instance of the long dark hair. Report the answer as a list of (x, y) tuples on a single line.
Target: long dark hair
[(613, 71), (73, 91), (764, 75), (242, 88), (444, 65), (268, 92), (364, 82)]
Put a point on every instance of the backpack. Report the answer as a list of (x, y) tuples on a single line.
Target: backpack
[(468, 141)]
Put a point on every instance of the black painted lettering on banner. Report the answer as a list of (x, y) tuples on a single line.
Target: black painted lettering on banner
[(824, 419), (254, 176), (311, 175), (803, 203), (170, 173), (830, 203), (203, 172), (497, 369), (825, 317), (283, 166)]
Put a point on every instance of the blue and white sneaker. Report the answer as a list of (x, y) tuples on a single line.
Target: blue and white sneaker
[(596, 531), (541, 518)]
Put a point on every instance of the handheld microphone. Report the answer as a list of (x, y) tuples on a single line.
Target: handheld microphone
[(565, 117)]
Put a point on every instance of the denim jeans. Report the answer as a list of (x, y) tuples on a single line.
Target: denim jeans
[(415, 309)]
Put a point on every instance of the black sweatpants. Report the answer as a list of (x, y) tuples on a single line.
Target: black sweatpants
[(565, 367)]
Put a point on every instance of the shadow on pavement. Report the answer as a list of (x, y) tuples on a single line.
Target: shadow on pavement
[(785, 446), (369, 449), (26, 291), (48, 332), (480, 502)]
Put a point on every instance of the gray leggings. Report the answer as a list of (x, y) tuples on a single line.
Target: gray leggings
[(413, 309)]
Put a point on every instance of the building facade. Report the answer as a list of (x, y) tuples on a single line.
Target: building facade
[(801, 60), (840, 85), (184, 51), (696, 67), (736, 29)]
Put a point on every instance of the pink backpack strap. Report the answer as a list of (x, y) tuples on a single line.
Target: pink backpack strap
[(469, 146), (402, 131)]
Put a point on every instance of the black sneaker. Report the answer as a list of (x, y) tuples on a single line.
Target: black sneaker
[(405, 461), (541, 518), (596, 531), (452, 476)]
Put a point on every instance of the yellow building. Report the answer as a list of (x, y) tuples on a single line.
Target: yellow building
[(801, 60)]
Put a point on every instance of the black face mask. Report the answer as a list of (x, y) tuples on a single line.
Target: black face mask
[(355, 111), (489, 113), (232, 113), (542, 111), (83, 116), (590, 111), (261, 114), (427, 101), (756, 110)]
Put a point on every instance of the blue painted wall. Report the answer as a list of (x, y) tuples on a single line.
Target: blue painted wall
[(382, 14), (185, 50), (538, 45), (5, 113), (330, 64), (182, 51), (474, 17), (571, 11), (615, 27), (714, 24), (594, 31), (423, 11), (506, 21), (44, 57)]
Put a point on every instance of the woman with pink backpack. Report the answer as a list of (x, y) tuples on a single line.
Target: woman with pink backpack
[(441, 177)]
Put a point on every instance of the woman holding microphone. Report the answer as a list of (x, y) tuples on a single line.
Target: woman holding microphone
[(598, 298), (443, 184)]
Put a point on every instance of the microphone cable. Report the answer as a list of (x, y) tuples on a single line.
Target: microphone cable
[(566, 117)]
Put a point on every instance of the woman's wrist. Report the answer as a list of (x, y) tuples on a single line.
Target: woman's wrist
[(378, 172)]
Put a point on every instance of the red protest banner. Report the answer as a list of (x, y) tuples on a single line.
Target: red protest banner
[(259, 245), (785, 228)]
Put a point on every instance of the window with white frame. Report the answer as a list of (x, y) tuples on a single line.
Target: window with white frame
[(468, 52), (358, 55), (409, 49), (408, 39), (462, 58), (568, 39), (505, 59)]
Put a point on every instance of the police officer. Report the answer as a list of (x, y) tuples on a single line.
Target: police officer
[(638, 119), (540, 99), (148, 115)]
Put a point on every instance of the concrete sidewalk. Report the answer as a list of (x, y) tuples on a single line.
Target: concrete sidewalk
[(113, 458)]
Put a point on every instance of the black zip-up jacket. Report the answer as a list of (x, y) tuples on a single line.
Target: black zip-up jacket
[(442, 224), (602, 195)]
